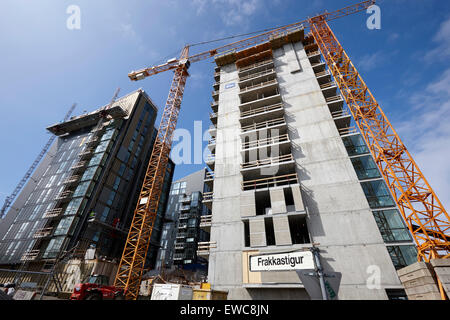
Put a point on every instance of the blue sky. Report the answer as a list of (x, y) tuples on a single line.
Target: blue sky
[(46, 67)]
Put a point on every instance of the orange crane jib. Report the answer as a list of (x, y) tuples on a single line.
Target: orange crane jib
[(421, 209)]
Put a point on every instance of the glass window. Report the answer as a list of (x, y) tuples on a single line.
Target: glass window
[(90, 174), (81, 189), (355, 145), (402, 256), (110, 200), (64, 225), (105, 213), (116, 183), (73, 206), (365, 167), (391, 226), (122, 169), (377, 194)]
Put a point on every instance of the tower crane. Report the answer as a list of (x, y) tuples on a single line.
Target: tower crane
[(422, 211), (12, 196)]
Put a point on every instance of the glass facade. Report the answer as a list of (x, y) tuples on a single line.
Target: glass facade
[(377, 194), (403, 256), (391, 226), (365, 167), (355, 145)]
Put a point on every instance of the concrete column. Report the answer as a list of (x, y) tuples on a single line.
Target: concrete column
[(257, 233), (277, 201), (282, 231), (298, 200), (248, 205)]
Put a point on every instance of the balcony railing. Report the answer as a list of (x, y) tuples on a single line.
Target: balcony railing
[(265, 124), (270, 182), (184, 199), (30, 255), (327, 85), (265, 142), (205, 221), (209, 175), (267, 161), (334, 99), (212, 115), (210, 159), (43, 232), (203, 248), (72, 179), (313, 53), (340, 113), (276, 106), (207, 196), (185, 208), (52, 213), (64, 195), (322, 73), (347, 130), (79, 165), (255, 65), (181, 235), (257, 74), (259, 85)]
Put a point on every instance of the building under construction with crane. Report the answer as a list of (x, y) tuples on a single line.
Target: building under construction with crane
[(308, 178)]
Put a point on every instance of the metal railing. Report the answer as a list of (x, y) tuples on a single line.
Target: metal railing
[(79, 165), (313, 53), (209, 175), (205, 221), (333, 98), (52, 213), (322, 73), (267, 161), (203, 248), (43, 232), (265, 124), (270, 182), (276, 106), (64, 195), (340, 113), (327, 85), (347, 130), (265, 142), (257, 74), (255, 65), (30, 255), (207, 196), (259, 85)]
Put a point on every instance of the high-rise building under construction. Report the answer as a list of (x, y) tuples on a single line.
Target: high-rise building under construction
[(83, 193), (292, 172)]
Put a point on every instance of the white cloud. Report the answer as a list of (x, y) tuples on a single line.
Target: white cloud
[(232, 12), (426, 133), (371, 60), (442, 39)]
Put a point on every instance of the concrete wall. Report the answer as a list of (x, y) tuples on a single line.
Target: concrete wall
[(338, 215)]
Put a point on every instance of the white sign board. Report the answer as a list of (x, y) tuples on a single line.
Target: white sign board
[(299, 260)]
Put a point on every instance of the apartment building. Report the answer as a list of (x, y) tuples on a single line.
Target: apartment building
[(84, 192), (186, 225), (289, 170)]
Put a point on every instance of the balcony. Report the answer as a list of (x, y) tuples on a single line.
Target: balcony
[(52, 213), (43, 233), (181, 235), (178, 256), (318, 66), (341, 118), (212, 144), (210, 161), (204, 248), (215, 106), (262, 85), (335, 103), (328, 89), (260, 114), (212, 131), (179, 246), (268, 162), (268, 72), (215, 95), (275, 181), (72, 180), (261, 99), (184, 208), (92, 142), (182, 226), (65, 195), (79, 165), (313, 56), (347, 131), (205, 223), (208, 199), (213, 117), (279, 123), (184, 199), (266, 142), (216, 85), (86, 154), (256, 67), (30, 255), (323, 77)]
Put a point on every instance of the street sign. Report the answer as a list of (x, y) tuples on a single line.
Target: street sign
[(287, 261), (312, 285)]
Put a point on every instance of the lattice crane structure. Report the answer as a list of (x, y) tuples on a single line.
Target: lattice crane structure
[(422, 211)]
